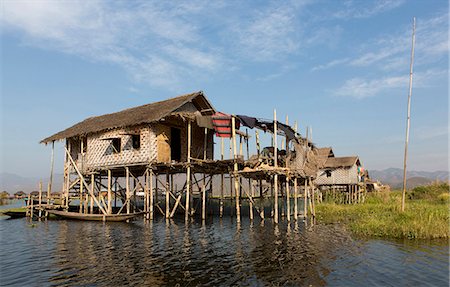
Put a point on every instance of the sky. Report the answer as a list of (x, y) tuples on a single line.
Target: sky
[(339, 67)]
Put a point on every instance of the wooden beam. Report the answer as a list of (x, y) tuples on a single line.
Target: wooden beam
[(82, 178)]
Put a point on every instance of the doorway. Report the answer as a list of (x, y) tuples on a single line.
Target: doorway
[(175, 144)]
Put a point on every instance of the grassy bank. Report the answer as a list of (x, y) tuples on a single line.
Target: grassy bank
[(426, 214)]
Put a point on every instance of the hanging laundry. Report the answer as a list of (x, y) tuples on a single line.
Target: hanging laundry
[(222, 124)]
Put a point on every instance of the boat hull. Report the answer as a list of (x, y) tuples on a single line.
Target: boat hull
[(94, 217)]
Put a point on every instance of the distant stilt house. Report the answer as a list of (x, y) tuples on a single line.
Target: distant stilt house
[(344, 174), (4, 195), (20, 195)]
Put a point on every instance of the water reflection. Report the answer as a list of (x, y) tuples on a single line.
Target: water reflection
[(217, 252)]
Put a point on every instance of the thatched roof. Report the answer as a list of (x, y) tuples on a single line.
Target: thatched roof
[(323, 154), (337, 162), (134, 116)]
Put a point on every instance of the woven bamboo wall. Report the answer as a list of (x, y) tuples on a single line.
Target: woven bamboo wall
[(155, 145), (100, 152), (343, 175)]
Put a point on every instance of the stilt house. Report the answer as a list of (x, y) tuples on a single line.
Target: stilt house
[(141, 135)]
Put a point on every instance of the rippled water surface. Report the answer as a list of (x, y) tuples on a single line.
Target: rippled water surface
[(217, 253)]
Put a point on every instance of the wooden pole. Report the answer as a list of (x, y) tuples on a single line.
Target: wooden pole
[(252, 194), (92, 194), (151, 194), (295, 198), (221, 179), (276, 165), (109, 204), (127, 187), (40, 199), (188, 172), (82, 179), (52, 161), (236, 179), (305, 201), (81, 196), (204, 198), (167, 196), (408, 117)]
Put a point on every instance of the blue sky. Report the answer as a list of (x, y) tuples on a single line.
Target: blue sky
[(341, 67)]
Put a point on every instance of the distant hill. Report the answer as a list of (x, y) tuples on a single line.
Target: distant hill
[(394, 177), (12, 183)]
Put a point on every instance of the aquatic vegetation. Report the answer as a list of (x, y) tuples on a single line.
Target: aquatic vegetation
[(426, 214)]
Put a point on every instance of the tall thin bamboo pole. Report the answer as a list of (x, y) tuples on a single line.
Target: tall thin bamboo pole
[(408, 118), (275, 152)]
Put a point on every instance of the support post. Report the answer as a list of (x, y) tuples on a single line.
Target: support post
[(40, 199), (109, 205), (221, 179), (151, 194), (188, 172), (92, 194), (252, 194), (305, 200), (127, 187), (295, 199), (236, 178), (167, 196), (52, 161)]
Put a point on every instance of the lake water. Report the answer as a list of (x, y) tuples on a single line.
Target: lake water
[(217, 253)]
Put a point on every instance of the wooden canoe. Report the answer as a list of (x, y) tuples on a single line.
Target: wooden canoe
[(94, 217), (15, 213)]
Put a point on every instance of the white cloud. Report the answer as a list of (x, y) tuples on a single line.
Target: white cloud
[(150, 41), (360, 88), (361, 9), (268, 34)]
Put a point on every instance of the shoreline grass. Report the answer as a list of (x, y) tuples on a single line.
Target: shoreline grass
[(426, 214)]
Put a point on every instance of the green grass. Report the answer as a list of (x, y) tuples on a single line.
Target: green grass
[(426, 214)]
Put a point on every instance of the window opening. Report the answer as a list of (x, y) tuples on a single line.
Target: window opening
[(116, 144), (136, 141)]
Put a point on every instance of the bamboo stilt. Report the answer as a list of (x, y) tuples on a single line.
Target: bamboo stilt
[(40, 199), (188, 172), (305, 199), (204, 198), (127, 187), (92, 194), (109, 199), (252, 194), (295, 199), (236, 178), (151, 194), (167, 196)]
